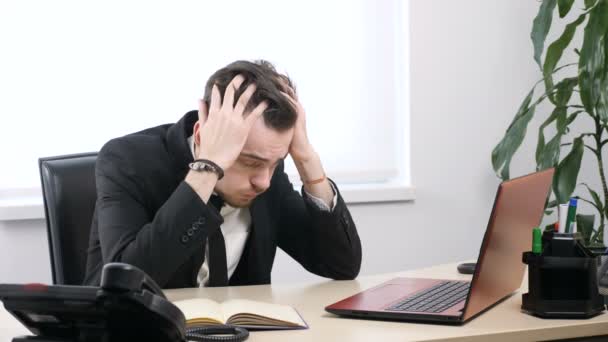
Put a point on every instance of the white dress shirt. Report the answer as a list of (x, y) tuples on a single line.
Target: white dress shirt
[(236, 227)]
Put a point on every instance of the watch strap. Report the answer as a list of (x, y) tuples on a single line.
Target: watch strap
[(207, 165)]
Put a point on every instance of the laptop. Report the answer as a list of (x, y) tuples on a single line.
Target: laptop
[(518, 207)]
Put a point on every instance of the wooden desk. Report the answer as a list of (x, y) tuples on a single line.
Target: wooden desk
[(504, 322)]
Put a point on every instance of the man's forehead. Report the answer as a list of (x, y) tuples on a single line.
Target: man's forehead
[(257, 156), (265, 143)]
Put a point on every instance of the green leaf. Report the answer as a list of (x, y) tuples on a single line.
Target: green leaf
[(540, 147), (506, 148), (556, 50), (564, 90), (589, 3), (548, 155), (523, 108), (598, 237), (540, 27), (602, 104), (593, 58), (584, 224), (601, 107), (567, 170), (596, 198), (572, 117), (564, 7)]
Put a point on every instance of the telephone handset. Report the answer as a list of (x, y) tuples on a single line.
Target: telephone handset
[(119, 277), (127, 306)]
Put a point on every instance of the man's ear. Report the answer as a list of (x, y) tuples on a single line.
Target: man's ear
[(195, 133)]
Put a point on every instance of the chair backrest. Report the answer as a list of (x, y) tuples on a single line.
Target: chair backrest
[(69, 193)]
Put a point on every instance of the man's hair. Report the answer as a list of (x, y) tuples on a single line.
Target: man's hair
[(280, 114)]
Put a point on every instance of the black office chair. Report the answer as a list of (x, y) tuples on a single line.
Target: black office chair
[(68, 189)]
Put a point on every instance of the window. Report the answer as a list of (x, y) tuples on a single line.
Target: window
[(76, 74)]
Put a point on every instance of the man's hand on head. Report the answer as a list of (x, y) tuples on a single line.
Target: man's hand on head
[(223, 126), (305, 158), (300, 148)]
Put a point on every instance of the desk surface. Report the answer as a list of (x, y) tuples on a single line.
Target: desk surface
[(504, 322)]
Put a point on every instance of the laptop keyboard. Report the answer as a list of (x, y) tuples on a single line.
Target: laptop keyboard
[(434, 299)]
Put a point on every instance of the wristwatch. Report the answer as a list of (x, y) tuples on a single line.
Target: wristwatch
[(205, 165)]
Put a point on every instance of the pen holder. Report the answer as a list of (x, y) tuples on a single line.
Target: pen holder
[(562, 280)]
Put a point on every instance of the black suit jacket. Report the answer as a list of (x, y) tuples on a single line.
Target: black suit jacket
[(147, 216)]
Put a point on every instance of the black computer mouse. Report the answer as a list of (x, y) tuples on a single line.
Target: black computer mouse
[(467, 268)]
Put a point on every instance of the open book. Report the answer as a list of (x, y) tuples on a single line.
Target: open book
[(241, 312)]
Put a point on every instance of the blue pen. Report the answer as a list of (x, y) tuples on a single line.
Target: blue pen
[(571, 214)]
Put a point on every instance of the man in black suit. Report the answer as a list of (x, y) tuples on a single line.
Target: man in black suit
[(205, 201)]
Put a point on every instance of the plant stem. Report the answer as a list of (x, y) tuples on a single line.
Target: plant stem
[(591, 149), (598, 153)]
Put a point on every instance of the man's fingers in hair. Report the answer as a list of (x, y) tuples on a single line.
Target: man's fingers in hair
[(284, 81), (231, 89), (295, 104), (216, 99), (256, 113), (243, 100), (289, 97)]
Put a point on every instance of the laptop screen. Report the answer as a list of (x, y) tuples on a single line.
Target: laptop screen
[(518, 208)]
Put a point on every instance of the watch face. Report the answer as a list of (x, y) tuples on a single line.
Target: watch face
[(200, 166)]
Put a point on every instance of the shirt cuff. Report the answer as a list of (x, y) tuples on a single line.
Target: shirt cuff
[(320, 203)]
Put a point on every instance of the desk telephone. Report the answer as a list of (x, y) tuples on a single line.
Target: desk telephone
[(127, 306)]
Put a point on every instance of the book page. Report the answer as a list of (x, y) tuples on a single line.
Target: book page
[(249, 312), (201, 311)]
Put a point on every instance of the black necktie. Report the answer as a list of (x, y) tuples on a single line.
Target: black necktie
[(218, 269)]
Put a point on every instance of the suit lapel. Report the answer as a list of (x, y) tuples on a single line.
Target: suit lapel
[(177, 144)]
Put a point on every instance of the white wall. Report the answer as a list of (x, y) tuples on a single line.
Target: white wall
[(158, 64), (471, 65)]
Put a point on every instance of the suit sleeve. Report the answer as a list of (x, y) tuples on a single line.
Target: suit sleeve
[(157, 243), (324, 242)]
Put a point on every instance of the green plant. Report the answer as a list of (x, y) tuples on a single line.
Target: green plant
[(590, 82)]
